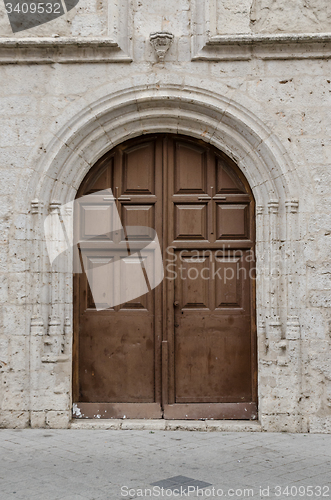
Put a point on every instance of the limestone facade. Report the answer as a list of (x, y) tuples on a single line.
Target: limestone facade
[(253, 78)]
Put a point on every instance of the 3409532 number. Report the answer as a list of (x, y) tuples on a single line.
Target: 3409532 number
[(302, 491), (33, 8)]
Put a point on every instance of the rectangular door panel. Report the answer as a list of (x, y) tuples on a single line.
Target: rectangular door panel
[(97, 221), (212, 358), (211, 411), (190, 222), (232, 281), (232, 221), (118, 350), (101, 279), (138, 171), (190, 169), (142, 302), (138, 215), (228, 289), (212, 348), (193, 289)]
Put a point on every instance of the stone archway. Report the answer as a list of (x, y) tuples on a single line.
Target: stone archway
[(232, 129)]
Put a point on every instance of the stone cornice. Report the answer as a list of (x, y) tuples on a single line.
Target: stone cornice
[(263, 46), (279, 38), (68, 50), (61, 50)]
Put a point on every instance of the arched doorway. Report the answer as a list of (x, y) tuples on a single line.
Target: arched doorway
[(187, 349)]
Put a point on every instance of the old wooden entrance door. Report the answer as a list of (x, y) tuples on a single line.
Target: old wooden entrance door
[(187, 349)]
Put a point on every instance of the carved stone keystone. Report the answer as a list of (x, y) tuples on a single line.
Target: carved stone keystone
[(161, 42)]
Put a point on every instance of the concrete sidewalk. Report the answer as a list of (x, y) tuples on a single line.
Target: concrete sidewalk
[(112, 465)]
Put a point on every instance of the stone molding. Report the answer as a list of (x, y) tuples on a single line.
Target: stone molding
[(207, 45), (36, 207), (61, 50), (68, 50), (292, 206)]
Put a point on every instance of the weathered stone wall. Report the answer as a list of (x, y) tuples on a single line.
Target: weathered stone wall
[(233, 17), (291, 16), (270, 112), (89, 18), (94, 17), (272, 16)]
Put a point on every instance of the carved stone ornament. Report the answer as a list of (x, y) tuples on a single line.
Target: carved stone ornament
[(161, 42)]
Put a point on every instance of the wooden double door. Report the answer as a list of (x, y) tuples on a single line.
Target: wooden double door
[(187, 348)]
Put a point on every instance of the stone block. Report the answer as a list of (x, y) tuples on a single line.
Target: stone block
[(143, 425), (15, 320), (283, 423), (320, 425), (320, 298), (106, 424), (10, 419), (57, 419), (188, 425), (38, 419)]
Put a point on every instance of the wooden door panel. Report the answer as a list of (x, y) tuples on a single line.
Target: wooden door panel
[(227, 181), (116, 344), (142, 302), (213, 411), (99, 269), (194, 179), (232, 281), (98, 217), (138, 215), (97, 221), (132, 283), (139, 169), (193, 293), (117, 369), (229, 292), (212, 338), (211, 364), (190, 222), (103, 179), (232, 221)]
